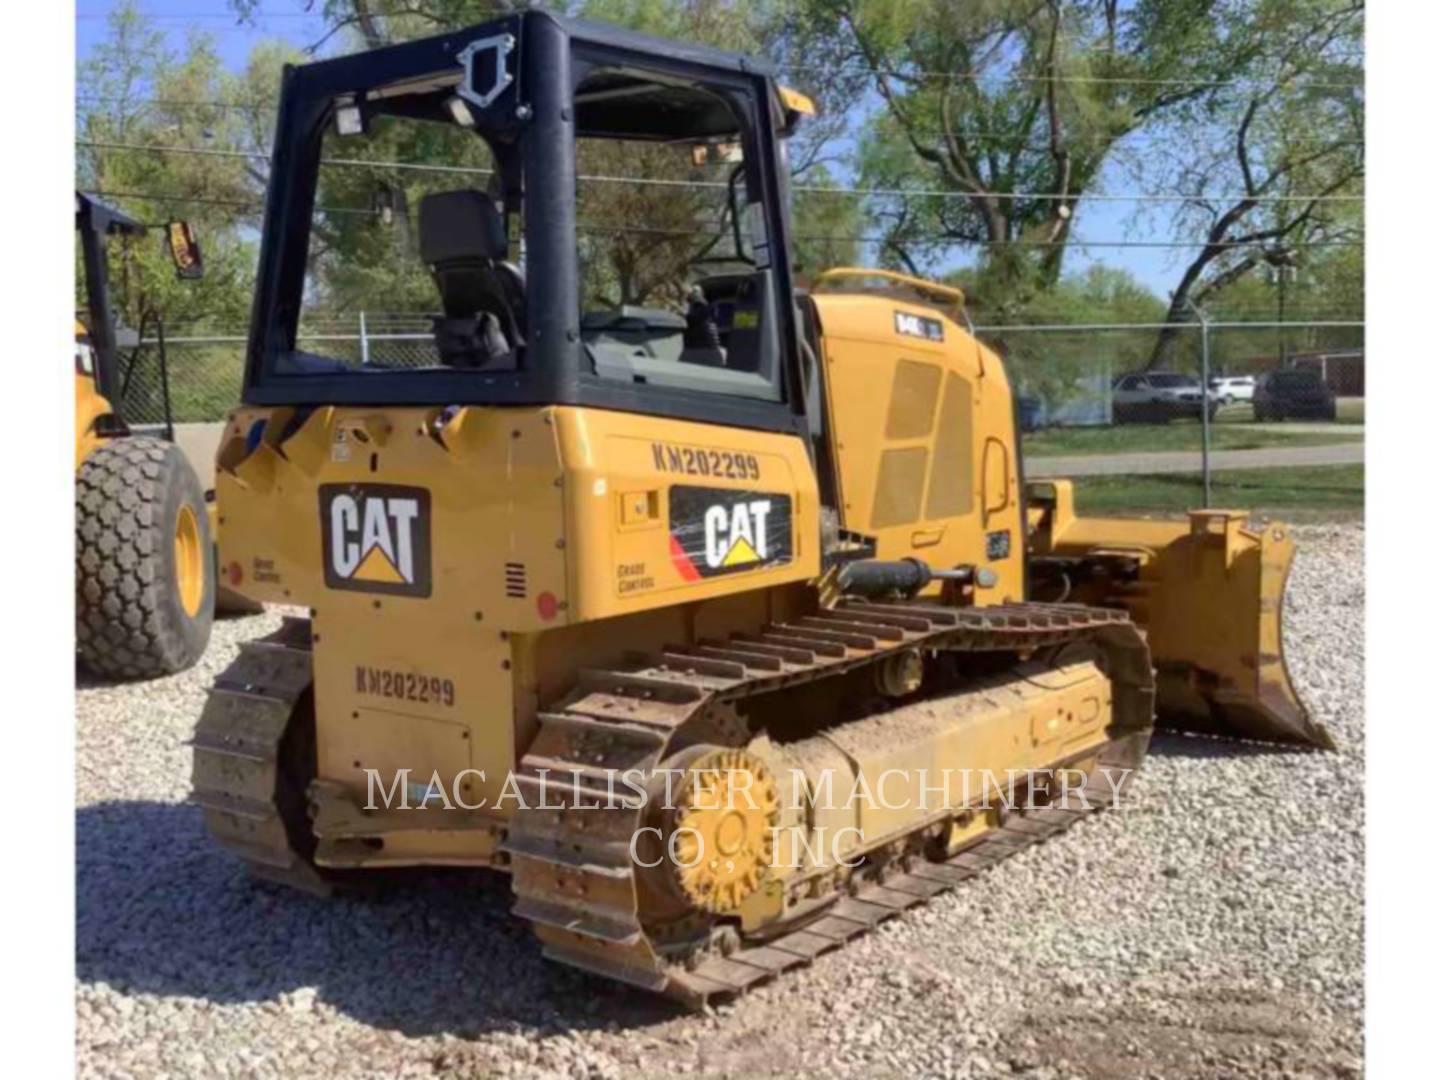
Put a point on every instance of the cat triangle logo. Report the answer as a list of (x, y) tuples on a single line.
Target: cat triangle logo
[(740, 553), (376, 537), (377, 567), (736, 533)]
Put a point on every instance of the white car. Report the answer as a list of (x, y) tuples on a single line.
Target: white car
[(1159, 397), (1232, 388)]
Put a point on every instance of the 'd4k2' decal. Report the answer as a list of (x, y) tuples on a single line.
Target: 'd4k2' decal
[(715, 531)]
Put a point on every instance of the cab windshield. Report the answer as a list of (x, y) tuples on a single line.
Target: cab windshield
[(418, 257), (675, 282), (531, 211)]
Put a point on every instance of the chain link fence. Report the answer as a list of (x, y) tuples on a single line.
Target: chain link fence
[(1121, 408), (1103, 375), (1154, 418), (206, 369)]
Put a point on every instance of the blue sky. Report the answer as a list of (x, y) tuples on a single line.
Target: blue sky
[(179, 17), (1157, 268)]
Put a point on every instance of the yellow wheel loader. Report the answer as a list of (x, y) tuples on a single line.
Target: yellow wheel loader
[(144, 560), (683, 617)]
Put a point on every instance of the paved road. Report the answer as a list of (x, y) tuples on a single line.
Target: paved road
[(1173, 461), (1308, 427)]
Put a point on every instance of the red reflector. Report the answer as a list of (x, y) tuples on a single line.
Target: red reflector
[(237, 575), (547, 605)]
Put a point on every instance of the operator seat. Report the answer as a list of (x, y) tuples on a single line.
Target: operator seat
[(463, 241)]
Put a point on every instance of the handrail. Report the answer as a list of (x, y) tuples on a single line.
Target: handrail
[(920, 285)]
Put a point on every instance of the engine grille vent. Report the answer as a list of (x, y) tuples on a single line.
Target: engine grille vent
[(515, 580)]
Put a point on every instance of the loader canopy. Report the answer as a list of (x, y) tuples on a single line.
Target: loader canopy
[(1209, 593), (532, 211), (96, 222)]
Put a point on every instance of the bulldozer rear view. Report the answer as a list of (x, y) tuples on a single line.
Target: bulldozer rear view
[(652, 558)]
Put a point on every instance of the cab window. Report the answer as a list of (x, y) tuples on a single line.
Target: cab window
[(408, 266), (676, 284)]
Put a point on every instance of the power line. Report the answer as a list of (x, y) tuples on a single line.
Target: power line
[(895, 241), (207, 200), (1122, 80), (809, 189), (199, 16), (1259, 325), (170, 103), (236, 26), (260, 155), (641, 230), (1042, 318), (270, 103), (173, 16), (1042, 196)]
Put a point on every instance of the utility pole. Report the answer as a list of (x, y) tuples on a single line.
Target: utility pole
[(1204, 400), (1283, 270)]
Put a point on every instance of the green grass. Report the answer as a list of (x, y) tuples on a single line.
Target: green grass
[(1180, 435), (1317, 489)]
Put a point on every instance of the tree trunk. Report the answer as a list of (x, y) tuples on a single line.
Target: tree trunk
[(1162, 356), (1179, 314), (369, 28)]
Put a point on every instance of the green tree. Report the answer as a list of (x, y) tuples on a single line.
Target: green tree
[(143, 109), (1286, 143), (168, 134), (1009, 110), (1061, 367)]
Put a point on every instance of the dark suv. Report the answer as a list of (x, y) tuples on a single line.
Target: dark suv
[(1282, 394)]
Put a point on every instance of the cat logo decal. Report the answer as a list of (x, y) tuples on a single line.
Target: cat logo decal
[(717, 531), (376, 538)]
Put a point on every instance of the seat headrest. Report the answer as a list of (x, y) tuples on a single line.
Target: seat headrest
[(463, 224)]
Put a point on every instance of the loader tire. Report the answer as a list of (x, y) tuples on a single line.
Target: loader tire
[(144, 572)]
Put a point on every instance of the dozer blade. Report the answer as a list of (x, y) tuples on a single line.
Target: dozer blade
[(1209, 593)]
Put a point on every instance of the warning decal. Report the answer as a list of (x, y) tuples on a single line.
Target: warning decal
[(715, 531)]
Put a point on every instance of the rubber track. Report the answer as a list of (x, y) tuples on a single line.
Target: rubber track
[(571, 869), (237, 755)]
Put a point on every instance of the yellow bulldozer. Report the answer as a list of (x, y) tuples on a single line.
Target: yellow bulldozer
[(630, 603), (144, 563)]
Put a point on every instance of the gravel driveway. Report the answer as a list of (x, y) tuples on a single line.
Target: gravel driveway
[(1213, 927)]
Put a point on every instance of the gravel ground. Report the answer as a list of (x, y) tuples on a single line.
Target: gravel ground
[(1211, 928)]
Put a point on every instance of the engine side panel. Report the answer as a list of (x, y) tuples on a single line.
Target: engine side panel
[(922, 430), (665, 512)]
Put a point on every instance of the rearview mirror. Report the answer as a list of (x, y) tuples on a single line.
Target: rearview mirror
[(184, 250)]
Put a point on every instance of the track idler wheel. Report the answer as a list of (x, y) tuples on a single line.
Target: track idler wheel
[(719, 831)]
